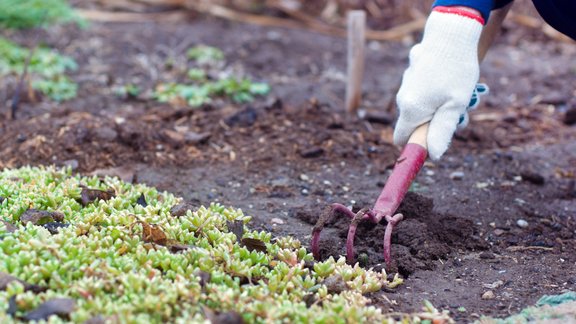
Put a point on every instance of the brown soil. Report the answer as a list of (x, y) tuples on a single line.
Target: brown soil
[(289, 155)]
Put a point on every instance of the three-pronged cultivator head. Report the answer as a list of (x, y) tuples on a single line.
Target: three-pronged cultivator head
[(405, 170)]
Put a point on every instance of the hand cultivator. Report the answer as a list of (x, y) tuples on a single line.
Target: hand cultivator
[(405, 170)]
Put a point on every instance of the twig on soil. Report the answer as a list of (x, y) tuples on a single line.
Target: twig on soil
[(528, 248), (16, 96), (107, 16)]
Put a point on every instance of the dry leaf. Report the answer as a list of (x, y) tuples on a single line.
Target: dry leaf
[(88, 196), (142, 201), (253, 244), (40, 217), (175, 246), (236, 227), (153, 233), (181, 209), (54, 227)]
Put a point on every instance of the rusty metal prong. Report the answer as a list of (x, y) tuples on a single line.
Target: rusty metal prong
[(324, 218), (392, 221), (363, 214)]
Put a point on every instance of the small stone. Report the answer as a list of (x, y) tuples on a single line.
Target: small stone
[(304, 177), (305, 192), (277, 221), (72, 164), (522, 223), (499, 232), (488, 295), (457, 175)]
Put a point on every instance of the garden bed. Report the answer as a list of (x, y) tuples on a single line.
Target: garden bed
[(496, 214)]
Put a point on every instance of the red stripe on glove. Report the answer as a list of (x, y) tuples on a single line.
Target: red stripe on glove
[(460, 12)]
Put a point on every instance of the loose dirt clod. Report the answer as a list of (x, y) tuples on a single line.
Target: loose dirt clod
[(335, 284), (423, 237)]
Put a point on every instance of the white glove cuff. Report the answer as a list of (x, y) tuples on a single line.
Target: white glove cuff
[(451, 35)]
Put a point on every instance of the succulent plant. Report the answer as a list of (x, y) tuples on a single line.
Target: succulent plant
[(115, 260)]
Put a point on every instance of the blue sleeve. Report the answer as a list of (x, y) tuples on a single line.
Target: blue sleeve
[(484, 6), (560, 14)]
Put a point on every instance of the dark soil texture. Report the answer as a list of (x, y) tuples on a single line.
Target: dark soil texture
[(498, 212)]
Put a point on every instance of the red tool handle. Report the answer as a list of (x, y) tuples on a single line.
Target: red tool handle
[(405, 170)]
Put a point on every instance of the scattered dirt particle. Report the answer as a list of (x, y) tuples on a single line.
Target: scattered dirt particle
[(244, 118), (570, 116), (532, 177), (335, 284), (54, 227), (142, 201), (10, 228), (311, 152)]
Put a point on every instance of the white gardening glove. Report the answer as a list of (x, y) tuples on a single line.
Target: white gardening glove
[(441, 77)]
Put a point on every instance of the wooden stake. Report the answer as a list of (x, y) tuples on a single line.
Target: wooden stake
[(356, 40)]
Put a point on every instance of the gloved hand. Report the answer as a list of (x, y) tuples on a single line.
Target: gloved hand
[(437, 85)]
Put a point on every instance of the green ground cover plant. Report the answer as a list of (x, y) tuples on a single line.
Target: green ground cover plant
[(75, 248), (47, 69), (206, 82), (19, 14)]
